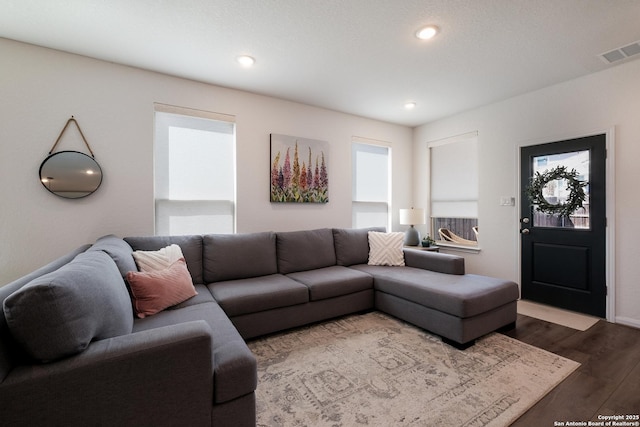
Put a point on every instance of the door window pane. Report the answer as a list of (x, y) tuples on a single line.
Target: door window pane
[(556, 192)]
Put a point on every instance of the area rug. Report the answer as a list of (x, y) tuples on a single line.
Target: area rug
[(375, 370)]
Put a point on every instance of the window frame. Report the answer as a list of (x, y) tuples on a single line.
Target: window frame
[(196, 207), (466, 137), (373, 143)]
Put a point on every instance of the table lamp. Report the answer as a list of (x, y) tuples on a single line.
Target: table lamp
[(412, 217)]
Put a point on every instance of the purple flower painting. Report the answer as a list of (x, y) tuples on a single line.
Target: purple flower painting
[(299, 170)]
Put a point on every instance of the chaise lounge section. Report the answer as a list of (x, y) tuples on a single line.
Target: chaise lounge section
[(189, 364)]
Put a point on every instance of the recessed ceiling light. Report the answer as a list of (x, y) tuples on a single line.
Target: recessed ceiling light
[(409, 105), (427, 32), (246, 60)]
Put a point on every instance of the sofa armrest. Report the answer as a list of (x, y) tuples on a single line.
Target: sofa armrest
[(441, 263), (157, 377)]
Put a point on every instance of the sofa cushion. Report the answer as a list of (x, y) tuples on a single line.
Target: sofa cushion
[(256, 294), (334, 281), (386, 248), (191, 247), (305, 250), (153, 291), (459, 295), (222, 253), (11, 350), (203, 296), (352, 245), (234, 366), (157, 260), (434, 261), (118, 250), (60, 313)]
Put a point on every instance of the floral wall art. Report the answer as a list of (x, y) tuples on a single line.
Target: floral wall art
[(299, 170)]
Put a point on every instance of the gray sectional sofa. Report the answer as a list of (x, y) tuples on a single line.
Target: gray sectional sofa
[(72, 353)]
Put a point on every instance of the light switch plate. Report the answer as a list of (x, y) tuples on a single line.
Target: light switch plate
[(507, 201)]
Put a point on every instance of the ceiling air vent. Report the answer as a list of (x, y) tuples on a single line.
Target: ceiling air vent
[(621, 53)]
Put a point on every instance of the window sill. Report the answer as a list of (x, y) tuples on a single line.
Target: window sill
[(458, 248)]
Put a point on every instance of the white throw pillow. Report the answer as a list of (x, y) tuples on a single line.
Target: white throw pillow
[(149, 261), (386, 248)]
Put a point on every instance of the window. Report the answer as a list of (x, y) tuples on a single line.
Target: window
[(194, 164), (371, 184), (557, 191), (454, 190)]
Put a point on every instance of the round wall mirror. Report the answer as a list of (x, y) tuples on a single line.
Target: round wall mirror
[(70, 174)]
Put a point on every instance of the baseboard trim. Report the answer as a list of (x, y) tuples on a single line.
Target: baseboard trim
[(627, 321)]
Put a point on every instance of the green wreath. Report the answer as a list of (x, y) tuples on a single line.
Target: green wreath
[(576, 191)]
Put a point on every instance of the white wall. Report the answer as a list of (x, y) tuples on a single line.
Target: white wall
[(584, 106), (41, 88)]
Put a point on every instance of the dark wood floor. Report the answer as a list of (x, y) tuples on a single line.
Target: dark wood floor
[(606, 383)]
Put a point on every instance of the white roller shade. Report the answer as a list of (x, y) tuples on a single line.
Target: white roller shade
[(194, 172), (454, 177), (371, 184)]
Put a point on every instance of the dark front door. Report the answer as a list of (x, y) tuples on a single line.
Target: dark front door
[(563, 256)]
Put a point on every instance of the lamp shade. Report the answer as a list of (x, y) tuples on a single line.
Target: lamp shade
[(412, 216)]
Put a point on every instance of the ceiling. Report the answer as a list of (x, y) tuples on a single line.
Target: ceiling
[(354, 56)]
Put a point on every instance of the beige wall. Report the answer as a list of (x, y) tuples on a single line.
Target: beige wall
[(592, 104), (41, 88)]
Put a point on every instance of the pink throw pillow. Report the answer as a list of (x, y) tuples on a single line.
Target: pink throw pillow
[(156, 290)]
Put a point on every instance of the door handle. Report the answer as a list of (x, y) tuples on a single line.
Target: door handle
[(525, 231), (525, 220)]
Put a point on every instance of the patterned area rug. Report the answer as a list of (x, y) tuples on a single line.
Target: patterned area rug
[(375, 370)]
